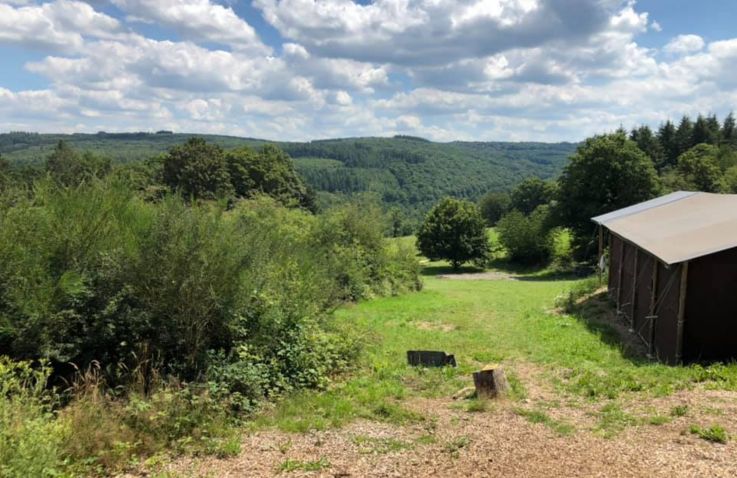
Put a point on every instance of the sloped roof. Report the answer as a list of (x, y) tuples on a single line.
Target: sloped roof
[(679, 226)]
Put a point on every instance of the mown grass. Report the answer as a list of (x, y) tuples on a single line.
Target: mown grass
[(487, 321)]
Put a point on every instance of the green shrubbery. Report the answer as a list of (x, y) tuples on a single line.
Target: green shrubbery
[(209, 306)]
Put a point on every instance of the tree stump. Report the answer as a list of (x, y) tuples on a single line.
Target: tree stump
[(491, 382)]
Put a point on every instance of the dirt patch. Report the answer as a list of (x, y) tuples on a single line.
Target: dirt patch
[(510, 438), (441, 326), (489, 275)]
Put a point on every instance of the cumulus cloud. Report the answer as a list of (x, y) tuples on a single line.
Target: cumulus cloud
[(443, 69), (684, 44), (199, 20), (59, 25)]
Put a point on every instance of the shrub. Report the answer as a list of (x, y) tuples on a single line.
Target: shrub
[(31, 440), (526, 238), (454, 230)]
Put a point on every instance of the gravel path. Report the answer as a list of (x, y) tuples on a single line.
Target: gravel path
[(499, 442)]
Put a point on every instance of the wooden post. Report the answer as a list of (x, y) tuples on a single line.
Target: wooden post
[(601, 252), (653, 301), (681, 312), (491, 382), (634, 287), (619, 281)]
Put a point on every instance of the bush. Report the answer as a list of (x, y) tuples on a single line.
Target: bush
[(31, 440), (454, 230), (526, 238)]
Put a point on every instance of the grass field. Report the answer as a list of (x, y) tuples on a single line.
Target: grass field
[(571, 374)]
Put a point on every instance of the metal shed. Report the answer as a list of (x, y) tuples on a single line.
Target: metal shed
[(673, 273)]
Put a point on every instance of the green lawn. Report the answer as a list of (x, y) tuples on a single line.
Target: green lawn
[(482, 321)]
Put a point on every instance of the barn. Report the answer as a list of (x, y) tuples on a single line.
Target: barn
[(673, 273)]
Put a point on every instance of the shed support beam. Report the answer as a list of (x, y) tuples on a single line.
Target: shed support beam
[(619, 275), (653, 302), (634, 287), (681, 312)]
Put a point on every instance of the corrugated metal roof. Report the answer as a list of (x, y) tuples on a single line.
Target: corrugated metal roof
[(659, 201), (678, 227)]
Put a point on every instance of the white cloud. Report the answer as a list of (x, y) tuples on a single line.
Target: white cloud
[(684, 44), (461, 69), (198, 20), (59, 25)]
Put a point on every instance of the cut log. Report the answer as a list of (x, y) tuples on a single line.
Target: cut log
[(491, 382), (428, 358)]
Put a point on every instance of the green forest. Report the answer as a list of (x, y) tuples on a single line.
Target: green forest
[(406, 173)]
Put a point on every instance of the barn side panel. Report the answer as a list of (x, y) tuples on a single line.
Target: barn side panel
[(643, 296), (626, 305), (665, 323), (710, 329), (615, 250)]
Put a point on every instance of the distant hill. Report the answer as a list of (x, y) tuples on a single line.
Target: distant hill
[(407, 172)]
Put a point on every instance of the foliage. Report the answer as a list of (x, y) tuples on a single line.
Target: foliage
[(454, 230), (96, 274), (31, 440), (493, 206), (69, 168), (197, 170), (269, 171), (527, 239), (531, 193), (607, 173), (410, 174), (714, 433), (699, 169)]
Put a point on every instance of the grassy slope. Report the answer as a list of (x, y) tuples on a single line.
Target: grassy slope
[(502, 321)]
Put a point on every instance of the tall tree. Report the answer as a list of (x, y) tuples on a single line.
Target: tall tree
[(648, 143), (494, 205), (197, 170), (684, 135), (699, 168), (454, 230), (729, 132), (606, 173), (269, 171), (667, 140), (703, 132), (70, 168), (531, 193)]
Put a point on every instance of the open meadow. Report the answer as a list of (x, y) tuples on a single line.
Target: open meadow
[(584, 401)]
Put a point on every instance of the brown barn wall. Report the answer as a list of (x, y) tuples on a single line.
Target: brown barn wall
[(614, 259), (641, 322), (626, 306), (710, 329), (666, 312)]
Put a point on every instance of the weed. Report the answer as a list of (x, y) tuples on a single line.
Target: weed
[(380, 446), (538, 416), (454, 446), (658, 420), (477, 405), (290, 465), (714, 433), (612, 420), (679, 411)]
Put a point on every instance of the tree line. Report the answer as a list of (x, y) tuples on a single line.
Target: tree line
[(606, 172)]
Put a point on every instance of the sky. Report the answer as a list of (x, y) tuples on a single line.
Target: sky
[(480, 70)]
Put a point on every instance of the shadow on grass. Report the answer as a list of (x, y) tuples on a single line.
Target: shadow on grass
[(597, 312), (538, 272), (436, 270)]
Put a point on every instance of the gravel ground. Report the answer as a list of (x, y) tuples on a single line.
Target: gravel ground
[(499, 442)]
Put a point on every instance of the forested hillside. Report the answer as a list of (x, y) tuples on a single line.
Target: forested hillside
[(405, 172)]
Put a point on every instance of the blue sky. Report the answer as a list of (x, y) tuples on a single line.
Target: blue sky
[(545, 70)]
